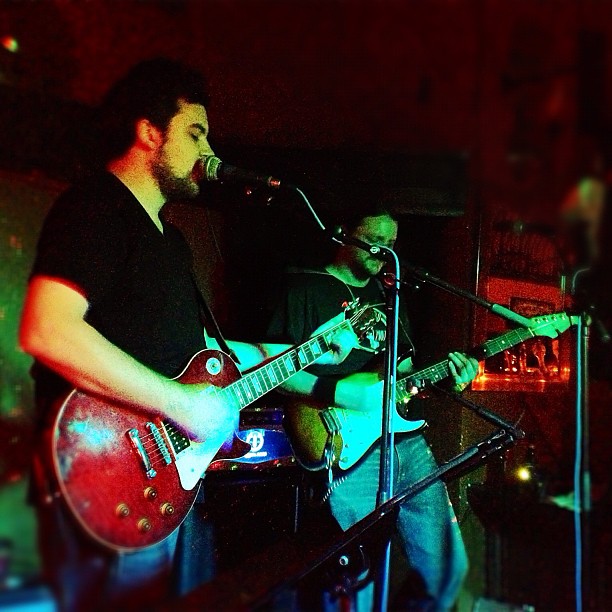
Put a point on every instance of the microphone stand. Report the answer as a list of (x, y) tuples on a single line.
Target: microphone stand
[(387, 440), (393, 281), (256, 582), (385, 487), (582, 475)]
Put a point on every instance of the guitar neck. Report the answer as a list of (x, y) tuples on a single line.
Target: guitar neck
[(255, 384), (440, 371)]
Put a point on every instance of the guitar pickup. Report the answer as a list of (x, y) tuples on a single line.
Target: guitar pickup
[(178, 441)]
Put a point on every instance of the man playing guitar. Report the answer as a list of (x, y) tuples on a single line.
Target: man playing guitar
[(427, 524), (112, 310)]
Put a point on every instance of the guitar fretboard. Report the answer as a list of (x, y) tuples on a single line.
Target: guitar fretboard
[(255, 384), (440, 371)]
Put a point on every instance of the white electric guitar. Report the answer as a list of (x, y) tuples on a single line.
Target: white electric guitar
[(324, 435)]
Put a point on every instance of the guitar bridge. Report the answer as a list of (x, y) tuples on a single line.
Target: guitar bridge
[(161, 445), (134, 436), (332, 425), (330, 421)]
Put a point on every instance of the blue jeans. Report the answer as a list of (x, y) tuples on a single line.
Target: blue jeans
[(84, 576), (427, 525)]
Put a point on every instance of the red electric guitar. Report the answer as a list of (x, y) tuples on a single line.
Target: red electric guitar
[(129, 477)]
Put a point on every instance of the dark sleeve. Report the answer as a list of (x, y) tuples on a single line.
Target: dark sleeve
[(405, 347), (80, 243), (307, 302), (288, 323)]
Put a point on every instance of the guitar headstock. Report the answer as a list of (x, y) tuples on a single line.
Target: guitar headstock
[(363, 319), (551, 325)]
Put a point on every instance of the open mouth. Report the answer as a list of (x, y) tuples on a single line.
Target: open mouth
[(198, 174)]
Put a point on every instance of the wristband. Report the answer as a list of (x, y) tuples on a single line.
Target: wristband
[(324, 389)]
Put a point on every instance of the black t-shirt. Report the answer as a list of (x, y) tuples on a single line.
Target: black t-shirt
[(312, 297), (99, 240)]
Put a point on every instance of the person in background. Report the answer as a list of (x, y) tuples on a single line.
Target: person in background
[(426, 524)]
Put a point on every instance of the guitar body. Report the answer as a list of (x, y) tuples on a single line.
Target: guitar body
[(128, 477), (310, 430), (308, 435)]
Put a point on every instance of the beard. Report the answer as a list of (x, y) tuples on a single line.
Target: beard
[(173, 187), (366, 267)]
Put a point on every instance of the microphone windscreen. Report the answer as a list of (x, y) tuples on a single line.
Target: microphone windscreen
[(211, 168)]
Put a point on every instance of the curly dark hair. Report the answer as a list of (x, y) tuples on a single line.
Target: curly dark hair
[(152, 90)]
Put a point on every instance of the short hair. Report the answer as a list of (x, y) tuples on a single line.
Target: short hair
[(366, 208), (150, 90)]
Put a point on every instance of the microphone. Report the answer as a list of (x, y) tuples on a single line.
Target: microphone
[(340, 235), (216, 170)]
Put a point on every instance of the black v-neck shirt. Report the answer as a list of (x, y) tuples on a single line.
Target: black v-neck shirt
[(99, 240)]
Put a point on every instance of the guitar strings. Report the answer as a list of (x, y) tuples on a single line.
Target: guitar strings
[(150, 441)]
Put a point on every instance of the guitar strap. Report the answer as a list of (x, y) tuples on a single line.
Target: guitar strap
[(210, 323)]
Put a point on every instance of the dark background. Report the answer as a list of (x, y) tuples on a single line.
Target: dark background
[(471, 116)]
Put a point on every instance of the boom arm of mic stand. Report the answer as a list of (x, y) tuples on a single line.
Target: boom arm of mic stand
[(484, 413), (497, 309), (254, 583)]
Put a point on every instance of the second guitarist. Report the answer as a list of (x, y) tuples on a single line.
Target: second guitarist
[(427, 524)]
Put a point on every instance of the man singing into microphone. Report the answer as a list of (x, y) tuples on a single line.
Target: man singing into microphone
[(113, 310)]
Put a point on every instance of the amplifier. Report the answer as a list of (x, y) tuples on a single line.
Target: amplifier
[(262, 428)]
